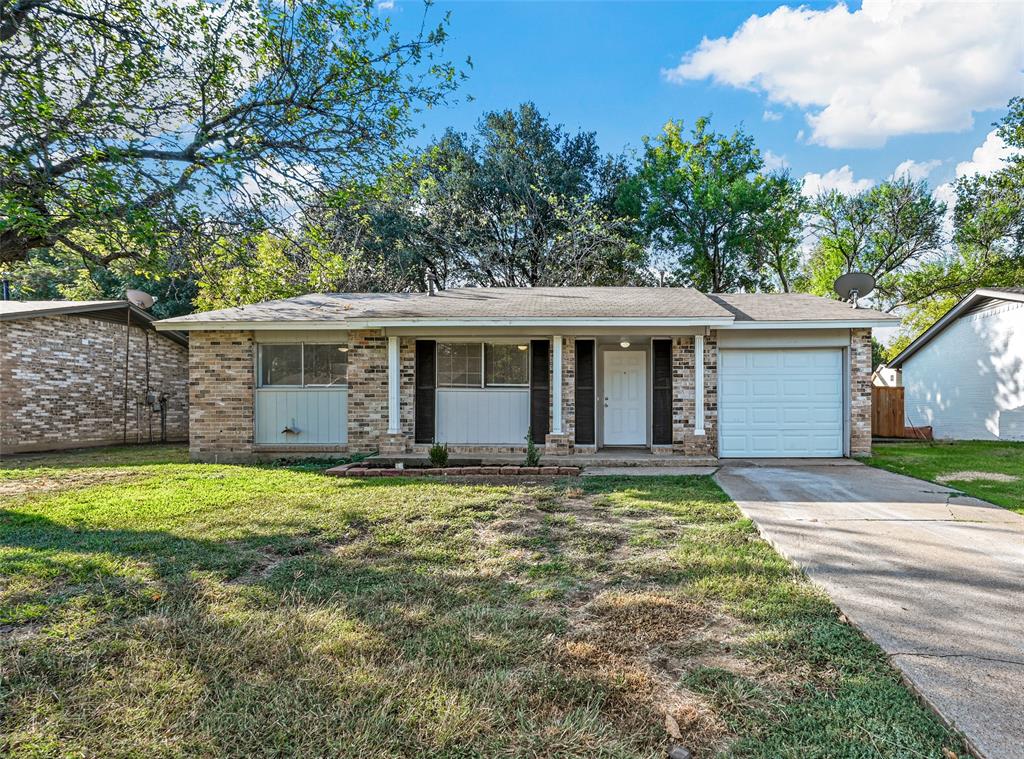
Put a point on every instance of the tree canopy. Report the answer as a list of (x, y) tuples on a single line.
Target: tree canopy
[(707, 205), (130, 127)]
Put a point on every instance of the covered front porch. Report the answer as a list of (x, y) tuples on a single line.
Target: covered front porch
[(606, 398)]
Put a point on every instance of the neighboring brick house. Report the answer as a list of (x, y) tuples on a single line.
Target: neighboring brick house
[(584, 370), (63, 382)]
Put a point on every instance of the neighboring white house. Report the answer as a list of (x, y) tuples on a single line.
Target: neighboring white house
[(964, 376)]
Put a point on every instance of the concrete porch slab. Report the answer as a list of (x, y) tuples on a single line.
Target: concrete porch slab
[(613, 458)]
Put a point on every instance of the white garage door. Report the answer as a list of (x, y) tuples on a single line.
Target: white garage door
[(781, 403)]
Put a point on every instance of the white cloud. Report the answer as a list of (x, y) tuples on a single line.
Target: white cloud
[(773, 161), (840, 179), (988, 158), (770, 115), (385, 5), (916, 170), (889, 68)]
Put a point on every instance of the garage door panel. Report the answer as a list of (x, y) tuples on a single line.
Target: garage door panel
[(797, 360), (733, 360), (763, 360), (784, 402), (734, 416)]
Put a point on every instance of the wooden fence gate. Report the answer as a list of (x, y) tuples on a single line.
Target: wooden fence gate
[(887, 412)]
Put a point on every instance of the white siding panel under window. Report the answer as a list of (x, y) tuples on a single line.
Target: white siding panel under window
[(968, 382), (482, 417), (319, 416), (781, 403)]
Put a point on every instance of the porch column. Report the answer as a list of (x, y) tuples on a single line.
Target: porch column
[(556, 385), (394, 385), (698, 384)]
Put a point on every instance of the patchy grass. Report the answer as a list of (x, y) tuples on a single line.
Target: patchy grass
[(992, 471), (150, 607)]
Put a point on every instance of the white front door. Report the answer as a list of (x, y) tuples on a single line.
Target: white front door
[(625, 398)]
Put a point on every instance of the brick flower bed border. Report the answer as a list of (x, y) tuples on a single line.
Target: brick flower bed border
[(360, 470)]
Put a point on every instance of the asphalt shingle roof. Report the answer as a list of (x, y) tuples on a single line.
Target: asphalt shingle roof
[(770, 307), (481, 302), (489, 303)]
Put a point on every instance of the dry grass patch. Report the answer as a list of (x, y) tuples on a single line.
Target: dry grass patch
[(248, 611)]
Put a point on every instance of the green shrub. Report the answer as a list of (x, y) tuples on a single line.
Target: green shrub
[(532, 454), (439, 454)]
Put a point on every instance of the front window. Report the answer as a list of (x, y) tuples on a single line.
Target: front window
[(303, 365), (324, 365), (479, 365), (507, 364), (459, 365)]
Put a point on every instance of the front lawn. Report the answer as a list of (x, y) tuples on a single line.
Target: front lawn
[(992, 471), (150, 607)]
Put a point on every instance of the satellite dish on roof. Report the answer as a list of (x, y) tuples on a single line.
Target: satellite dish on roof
[(139, 298), (854, 285)]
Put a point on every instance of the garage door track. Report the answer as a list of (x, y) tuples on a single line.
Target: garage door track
[(934, 577)]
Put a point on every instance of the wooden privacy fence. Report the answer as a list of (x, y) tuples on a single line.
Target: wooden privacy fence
[(888, 417), (887, 411)]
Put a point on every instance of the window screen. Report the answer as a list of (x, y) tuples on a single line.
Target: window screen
[(459, 365), (324, 364), (280, 364), (506, 364)]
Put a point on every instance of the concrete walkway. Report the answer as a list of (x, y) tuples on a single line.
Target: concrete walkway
[(935, 578)]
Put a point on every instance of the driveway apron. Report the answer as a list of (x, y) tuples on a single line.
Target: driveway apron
[(934, 577)]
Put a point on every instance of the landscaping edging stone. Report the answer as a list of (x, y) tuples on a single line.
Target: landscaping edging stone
[(361, 470)]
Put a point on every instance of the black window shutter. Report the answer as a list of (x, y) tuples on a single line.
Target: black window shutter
[(661, 393), (540, 389), (426, 381), (585, 389)]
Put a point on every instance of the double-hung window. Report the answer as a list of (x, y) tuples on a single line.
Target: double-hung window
[(303, 364), (482, 365)]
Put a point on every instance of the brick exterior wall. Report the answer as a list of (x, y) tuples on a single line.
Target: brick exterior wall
[(62, 384), (367, 389), (684, 398), (860, 392), (222, 397)]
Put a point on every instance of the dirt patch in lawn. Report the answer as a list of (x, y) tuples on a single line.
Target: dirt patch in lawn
[(973, 476), (68, 480)]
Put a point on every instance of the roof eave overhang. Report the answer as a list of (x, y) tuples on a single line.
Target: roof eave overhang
[(814, 324), (345, 324)]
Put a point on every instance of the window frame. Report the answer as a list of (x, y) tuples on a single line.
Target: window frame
[(260, 385), (484, 385)]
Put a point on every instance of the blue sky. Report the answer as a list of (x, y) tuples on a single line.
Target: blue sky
[(866, 88)]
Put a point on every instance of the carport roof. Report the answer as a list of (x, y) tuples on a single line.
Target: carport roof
[(106, 310)]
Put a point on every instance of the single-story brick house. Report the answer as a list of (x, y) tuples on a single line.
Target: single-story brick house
[(83, 373), (670, 370)]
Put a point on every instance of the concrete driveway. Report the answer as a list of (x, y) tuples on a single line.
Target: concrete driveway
[(936, 579)]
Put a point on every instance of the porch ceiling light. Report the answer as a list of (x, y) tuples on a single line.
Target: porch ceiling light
[(624, 343), (343, 348), (523, 347)]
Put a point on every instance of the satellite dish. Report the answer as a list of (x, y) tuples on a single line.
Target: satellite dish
[(139, 298), (854, 285)]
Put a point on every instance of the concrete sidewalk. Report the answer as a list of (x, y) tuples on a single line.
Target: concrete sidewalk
[(935, 578)]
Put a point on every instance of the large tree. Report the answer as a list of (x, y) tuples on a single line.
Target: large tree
[(707, 204), (887, 231), (520, 201), (128, 126)]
